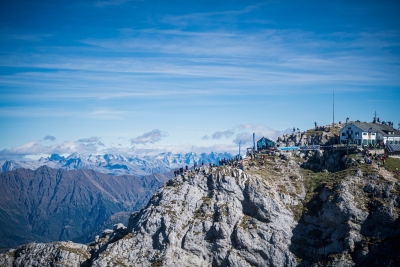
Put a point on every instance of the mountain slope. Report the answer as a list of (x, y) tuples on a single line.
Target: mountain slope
[(49, 204)]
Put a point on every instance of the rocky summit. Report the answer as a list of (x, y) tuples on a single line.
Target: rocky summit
[(274, 213)]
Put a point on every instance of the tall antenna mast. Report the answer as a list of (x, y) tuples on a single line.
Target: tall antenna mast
[(333, 122), (254, 141)]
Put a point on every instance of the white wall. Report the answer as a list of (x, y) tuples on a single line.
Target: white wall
[(351, 131)]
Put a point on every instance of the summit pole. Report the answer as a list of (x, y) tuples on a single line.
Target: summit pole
[(333, 121)]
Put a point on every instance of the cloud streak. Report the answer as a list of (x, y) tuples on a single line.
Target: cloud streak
[(245, 136), (111, 3), (219, 135), (244, 133), (149, 137), (92, 139), (35, 148), (291, 60), (49, 138)]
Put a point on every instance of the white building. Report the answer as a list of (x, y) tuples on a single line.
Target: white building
[(364, 133)]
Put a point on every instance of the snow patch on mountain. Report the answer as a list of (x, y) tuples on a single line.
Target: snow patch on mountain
[(117, 164)]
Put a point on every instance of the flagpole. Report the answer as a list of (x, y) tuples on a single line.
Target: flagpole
[(333, 121)]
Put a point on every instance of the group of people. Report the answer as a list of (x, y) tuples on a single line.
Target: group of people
[(230, 162), (379, 158), (185, 169), (379, 144), (236, 162), (294, 130)]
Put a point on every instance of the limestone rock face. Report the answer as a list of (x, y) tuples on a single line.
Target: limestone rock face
[(57, 254), (225, 218), (326, 160), (320, 137), (347, 224)]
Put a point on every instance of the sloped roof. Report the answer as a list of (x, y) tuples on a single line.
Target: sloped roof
[(393, 148), (376, 128), (269, 139)]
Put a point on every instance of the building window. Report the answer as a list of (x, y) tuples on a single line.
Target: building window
[(364, 133), (357, 134), (343, 134)]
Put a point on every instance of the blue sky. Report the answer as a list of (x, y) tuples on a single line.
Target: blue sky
[(142, 77)]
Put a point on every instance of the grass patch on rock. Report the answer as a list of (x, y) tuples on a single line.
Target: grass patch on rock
[(313, 180), (391, 164)]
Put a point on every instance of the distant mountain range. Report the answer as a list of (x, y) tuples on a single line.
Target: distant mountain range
[(50, 204), (116, 164)]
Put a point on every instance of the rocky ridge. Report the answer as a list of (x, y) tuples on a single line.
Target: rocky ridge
[(272, 214), (322, 136)]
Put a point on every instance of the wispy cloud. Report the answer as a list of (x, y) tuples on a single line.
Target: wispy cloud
[(219, 135), (111, 3), (101, 144), (149, 137), (290, 60), (107, 114), (49, 138), (35, 148), (244, 133), (201, 18), (181, 148), (92, 139), (36, 112), (54, 112)]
